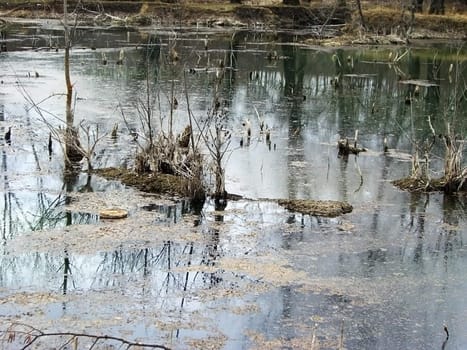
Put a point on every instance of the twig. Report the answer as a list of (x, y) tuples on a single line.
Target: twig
[(341, 340), (34, 334), (313, 337), (189, 112), (447, 337)]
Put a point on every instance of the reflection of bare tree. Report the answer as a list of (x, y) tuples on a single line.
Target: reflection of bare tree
[(417, 223), (7, 213), (294, 67), (380, 194), (47, 212), (433, 93), (66, 272), (294, 64), (210, 255), (122, 262), (170, 266), (236, 41), (7, 218), (150, 56), (344, 191), (453, 210), (87, 187), (419, 230), (413, 73)]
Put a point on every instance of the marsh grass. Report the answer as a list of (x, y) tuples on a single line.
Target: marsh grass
[(387, 19), (454, 178)]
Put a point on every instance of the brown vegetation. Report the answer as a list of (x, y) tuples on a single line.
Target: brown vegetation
[(150, 182), (316, 207), (380, 18), (453, 180), (390, 20)]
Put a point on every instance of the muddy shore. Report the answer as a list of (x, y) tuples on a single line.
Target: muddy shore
[(382, 25)]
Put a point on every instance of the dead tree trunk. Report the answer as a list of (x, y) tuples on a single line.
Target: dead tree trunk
[(72, 149), (220, 192), (436, 7), (69, 86), (360, 13)]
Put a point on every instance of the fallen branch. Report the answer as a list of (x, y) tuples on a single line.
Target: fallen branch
[(32, 334), (443, 346)]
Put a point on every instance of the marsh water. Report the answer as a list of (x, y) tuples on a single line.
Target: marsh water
[(389, 275)]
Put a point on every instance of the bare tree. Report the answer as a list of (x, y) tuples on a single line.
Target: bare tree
[(72, 151)]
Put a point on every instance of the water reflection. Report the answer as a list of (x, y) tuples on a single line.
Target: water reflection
[(367, 268)]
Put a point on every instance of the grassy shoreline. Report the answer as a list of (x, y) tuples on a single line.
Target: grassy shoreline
[(379, 20)]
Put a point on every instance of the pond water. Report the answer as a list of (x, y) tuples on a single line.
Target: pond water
[(388, 275)]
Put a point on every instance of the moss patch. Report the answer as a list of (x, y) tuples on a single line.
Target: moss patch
[(316, 207), (151, 182)]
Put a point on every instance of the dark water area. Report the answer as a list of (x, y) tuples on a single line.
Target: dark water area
[(389, 275)]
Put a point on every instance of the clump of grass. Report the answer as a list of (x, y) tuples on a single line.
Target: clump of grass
[(164, 162), (388, 19), (454, 178)]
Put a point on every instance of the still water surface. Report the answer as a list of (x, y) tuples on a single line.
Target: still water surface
[(390, 274)]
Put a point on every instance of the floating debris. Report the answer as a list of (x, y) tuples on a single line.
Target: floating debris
[(114, 213)]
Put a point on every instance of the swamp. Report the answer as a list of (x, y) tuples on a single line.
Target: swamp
[(246, 272)]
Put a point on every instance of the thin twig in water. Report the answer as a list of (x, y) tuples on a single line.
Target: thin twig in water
[(341, 340), (313, 337), (357, 166), (447, 337)]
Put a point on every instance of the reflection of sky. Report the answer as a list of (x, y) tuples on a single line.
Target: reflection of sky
[(400, 265)]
